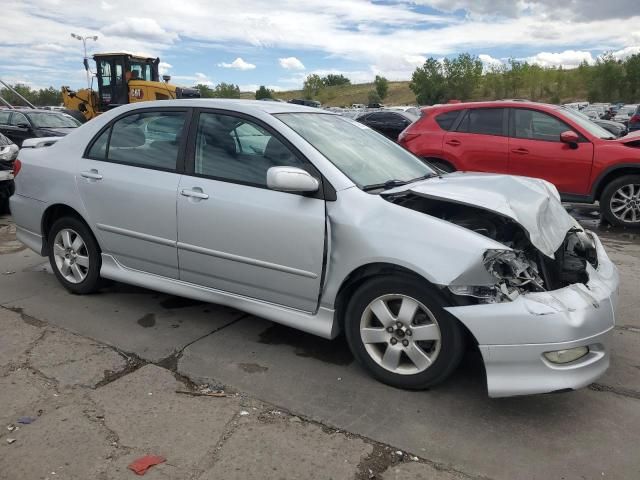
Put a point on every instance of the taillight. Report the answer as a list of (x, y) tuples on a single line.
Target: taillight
[(635, 119), (17, 165), (406, 136)]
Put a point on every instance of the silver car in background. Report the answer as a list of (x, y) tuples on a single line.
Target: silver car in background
[(313, 220)]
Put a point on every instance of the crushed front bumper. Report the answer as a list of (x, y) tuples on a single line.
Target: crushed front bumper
[(513, 336)]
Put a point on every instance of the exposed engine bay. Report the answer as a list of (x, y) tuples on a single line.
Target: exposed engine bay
[(522, 269)]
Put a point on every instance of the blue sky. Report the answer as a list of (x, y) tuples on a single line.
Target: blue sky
[(279, 42)]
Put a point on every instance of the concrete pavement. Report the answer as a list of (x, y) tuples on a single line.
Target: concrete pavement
[(455, 430)]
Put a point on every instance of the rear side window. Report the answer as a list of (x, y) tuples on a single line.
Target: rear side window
[(146, 139), (4, 118), (447, 119), (483, 121)]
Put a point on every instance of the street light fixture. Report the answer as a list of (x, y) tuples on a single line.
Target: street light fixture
[(84, 45)]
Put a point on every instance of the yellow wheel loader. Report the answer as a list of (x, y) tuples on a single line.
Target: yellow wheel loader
[(123, 78)]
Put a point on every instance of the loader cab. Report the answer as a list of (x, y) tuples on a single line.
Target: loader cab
[(115, 70)]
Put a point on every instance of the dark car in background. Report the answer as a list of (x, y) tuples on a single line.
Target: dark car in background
[(387, 122), (634, 121), (616, 128), (20, 124), (8, 154)]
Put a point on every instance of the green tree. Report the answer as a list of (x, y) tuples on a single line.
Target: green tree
[(382, 86), (25, 90), (263, 92), (374, 98), (49, 96), (205, 90), (428, 83), (632, 68), (463, 75), (226, 90), (333, 80), (312, 86)]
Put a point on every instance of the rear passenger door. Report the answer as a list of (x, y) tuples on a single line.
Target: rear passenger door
[(479, 142), (235, 234), (128, 180)]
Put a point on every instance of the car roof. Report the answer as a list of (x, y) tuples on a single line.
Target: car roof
[(34, 110), (240, 105), (491, 104)]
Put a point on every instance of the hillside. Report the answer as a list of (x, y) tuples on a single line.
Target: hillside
[(399, 94)]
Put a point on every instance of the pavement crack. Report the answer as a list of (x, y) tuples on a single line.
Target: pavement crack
[(627, 328), (623, 392), (28, 319)]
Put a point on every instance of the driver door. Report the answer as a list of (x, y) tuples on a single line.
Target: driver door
[(235, 234)]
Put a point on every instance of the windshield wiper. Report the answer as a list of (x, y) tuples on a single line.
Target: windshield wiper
[(389, 184)]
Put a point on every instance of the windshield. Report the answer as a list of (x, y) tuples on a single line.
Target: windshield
[(366, 157), (588, 125), (53, 120), (627, 111)]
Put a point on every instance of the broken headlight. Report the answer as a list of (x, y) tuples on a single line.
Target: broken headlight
[(514, 273)]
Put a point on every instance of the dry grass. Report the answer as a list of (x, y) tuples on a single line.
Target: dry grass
[(346, 95)]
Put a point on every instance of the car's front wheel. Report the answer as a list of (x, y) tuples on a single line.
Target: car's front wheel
[(398, 330), (620, 201), (74, 255)]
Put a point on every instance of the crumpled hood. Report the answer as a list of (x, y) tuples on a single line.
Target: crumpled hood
[(532, 203)]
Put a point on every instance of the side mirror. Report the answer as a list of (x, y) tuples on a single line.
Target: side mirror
[(570, 137), (291, 179)]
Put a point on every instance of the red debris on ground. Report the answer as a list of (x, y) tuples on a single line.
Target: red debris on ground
[(142, 464)]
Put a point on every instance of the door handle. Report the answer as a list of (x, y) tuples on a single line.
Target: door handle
[(194, 193), (453, 143), (91, 174), (520, 151)]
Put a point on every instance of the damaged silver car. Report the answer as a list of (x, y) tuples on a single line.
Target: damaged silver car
[(317, 222)]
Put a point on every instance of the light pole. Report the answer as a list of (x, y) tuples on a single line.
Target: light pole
[(84, 45)]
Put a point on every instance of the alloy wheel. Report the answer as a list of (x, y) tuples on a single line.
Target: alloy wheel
[(71, 255), (400, 334), (625, 203)]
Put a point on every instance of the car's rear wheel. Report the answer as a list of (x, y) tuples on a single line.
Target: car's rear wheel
[(620, 201), (440, 165), (398, 330), (74, 255)]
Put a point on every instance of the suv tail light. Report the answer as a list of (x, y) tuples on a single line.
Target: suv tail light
[(17, 165), (635, 118), (406, 136)]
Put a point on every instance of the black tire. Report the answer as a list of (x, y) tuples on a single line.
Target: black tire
[(440, 165), (609, 192), (91, 281), (452, 341)]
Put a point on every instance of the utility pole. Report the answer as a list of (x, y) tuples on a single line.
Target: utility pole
[(86, 60)]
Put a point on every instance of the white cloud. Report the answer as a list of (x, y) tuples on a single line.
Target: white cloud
[(198, 78), (566, 59), (136, 27), (164, 67), (291, 63), (626, 52), (238, 64)]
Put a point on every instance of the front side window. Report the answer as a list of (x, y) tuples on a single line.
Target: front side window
[(238, 150), (483, 121), (140, 71), (534, 125), (53, 120), (363, 155), (146, 139), (19, 119)]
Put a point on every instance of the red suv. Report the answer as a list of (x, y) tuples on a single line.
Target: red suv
[(584, 161)]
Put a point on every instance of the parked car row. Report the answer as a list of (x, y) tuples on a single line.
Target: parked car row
[(313, 220), (8, 154), (23, 123), (585, 162)]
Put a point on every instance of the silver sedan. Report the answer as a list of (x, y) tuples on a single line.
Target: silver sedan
[(315, 221)]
